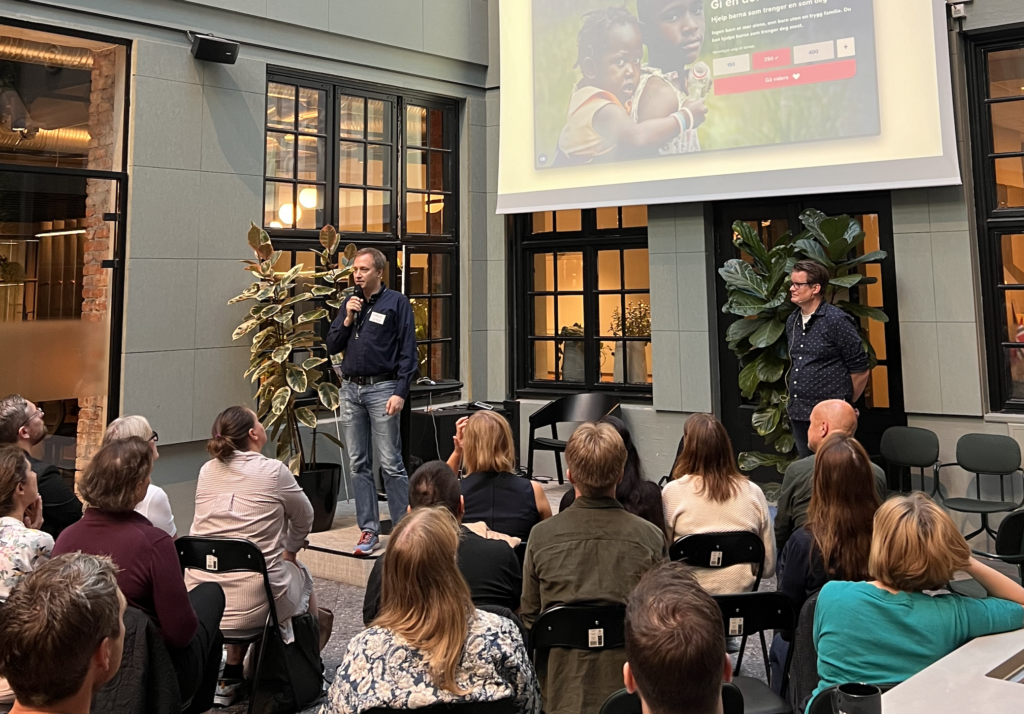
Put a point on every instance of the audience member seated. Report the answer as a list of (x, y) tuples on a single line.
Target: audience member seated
[(155, 506), (709, 495), (889, 629), (828, 418), (836, 541), (21, 423), (243, 494), (490, 567), (428, 645), (636, 494), (675, 649), (595, 552), (62, 634), (149, 575), (493, 494), (23, 547)]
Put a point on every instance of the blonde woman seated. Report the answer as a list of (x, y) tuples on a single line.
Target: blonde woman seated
[(155, 506), (428, 645), (709, 495), (507, 503), (888, 629)]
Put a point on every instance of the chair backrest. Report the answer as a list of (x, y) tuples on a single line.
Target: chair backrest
[(720, 550), (580, 627), (1010, 536), (225, 555), (910, 446), (588, 406), (988, 454), (732, 699), (499, 706), (622, 702), (803, 668), (748, 613)]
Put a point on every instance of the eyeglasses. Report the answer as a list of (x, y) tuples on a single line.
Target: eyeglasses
[(801, 285), (37, 413), (155, 438)]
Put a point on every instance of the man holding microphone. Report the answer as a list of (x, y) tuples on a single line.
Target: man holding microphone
[(376, 330)]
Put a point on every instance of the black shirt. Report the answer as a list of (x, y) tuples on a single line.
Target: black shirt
[(824, 353), (490, 567), (801, 570), (380, 340), (505, 502), (61, 507)]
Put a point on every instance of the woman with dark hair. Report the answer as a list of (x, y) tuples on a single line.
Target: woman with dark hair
[(636, 494), (243, 494), (708, 494)]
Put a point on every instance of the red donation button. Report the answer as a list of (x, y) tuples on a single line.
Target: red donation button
[(793, 77), (773, 58)]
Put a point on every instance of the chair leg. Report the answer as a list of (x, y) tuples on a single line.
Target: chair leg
[(986, 526), (529, 459), (558, 466), (259, 666), (980, 530), (739, 655)]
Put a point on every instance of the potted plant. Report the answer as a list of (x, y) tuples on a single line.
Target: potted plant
[(279, 336), (570, 354), (636, 323)]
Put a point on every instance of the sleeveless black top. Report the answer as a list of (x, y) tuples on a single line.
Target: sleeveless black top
[(504, 501)]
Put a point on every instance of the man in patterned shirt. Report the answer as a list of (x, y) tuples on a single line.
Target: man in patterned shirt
[(827, 358)]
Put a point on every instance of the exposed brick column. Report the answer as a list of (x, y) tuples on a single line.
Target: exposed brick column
[(103, 129)]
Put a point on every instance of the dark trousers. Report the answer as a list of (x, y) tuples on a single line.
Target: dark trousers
[(800, 429), (198, 663)]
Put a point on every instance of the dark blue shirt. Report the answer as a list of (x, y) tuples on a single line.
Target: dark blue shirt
[(380, 340), (824, 353)]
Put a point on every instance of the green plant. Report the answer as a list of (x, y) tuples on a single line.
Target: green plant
[(280, 334), (10, 271), (758, 292), (636, 324)]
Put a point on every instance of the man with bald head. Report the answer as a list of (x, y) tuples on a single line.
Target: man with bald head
[(833, 416)]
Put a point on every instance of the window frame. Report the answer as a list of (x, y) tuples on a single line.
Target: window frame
[(589, 240), (992, 222)]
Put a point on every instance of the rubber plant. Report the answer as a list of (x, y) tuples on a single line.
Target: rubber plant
[(279, 333), (758, 292)]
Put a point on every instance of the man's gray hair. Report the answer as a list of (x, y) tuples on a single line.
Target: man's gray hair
[(379, 261), (13, 410)]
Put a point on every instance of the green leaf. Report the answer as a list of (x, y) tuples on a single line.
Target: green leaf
[(333, 439), (329, 396), (285, 317), (306, 416), (872, 257), (290, 275), (739, 275), (313, 362), (280, 400), (749, 380), (296, 378), (765, 420), (249, 294), (747, 305), (767, 334), (321, 290), (350, 253), (785, 443), (813, 250), (858, 310), (741, 328), (847, 281), (769, 367), (262, 370), (329, 238), (281, 353), (295, 465), (750, 460), (269, 311), (245, 328), (318, 314), (254, 235), (336, 304), (746, 238), (266, 292)]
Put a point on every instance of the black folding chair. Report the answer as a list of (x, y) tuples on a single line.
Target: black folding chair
[(749, 613), (1009, 549), (622, 702), (985, 454), (235, 555), (909, 447), (588, 406), (579, 627), (499, 706)]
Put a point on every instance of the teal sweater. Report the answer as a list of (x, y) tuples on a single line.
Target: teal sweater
[(865, 634)]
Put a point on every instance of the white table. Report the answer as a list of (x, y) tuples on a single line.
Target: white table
[(957, 683)]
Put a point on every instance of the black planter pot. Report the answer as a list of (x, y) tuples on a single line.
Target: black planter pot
[(321, 485)]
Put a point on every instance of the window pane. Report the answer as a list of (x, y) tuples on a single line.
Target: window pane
[(415, 126), (570, 271), (1015, 366), (438, 171), (611, 361), (421, 315), (607, 218), (570, 361), (378, 211), (608, 270), (351, 115), (440, 318), (543, 222), (435, 214), (280, 106), (638, 363), (312, 110), (437, 129), (350, 163), (1008, 127), (350, 209), (610, 314), (439, 361), (424, 358), (1013, 258), (440, 273), (280, 155), (278, 211), (1014, 301), (544, 360), (416, 169), (417, 276), (1010, 182), (543, 315), (568, 221), (378, 123), (415, 213), (638, 316), (311, 158), (634, 216), (311, 207), (543, 272), (570, 316), (1006, 73), (378, 166), (876, 394), (637, 269)]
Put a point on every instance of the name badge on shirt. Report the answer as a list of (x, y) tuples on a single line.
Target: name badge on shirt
[(377, 317)]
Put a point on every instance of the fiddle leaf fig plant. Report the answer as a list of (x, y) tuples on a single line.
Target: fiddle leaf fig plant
[(279, 334)]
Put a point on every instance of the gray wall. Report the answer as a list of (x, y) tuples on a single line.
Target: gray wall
[(984, 14)]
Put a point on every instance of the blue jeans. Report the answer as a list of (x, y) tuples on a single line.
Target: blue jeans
[(365, 425)]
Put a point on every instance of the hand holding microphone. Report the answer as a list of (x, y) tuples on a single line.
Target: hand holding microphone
[(353, 307)]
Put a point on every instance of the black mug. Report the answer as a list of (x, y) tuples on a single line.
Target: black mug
[(858, 699)]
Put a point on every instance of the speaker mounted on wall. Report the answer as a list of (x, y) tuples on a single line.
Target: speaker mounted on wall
[(214, 49)]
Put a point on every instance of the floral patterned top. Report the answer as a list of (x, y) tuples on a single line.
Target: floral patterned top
[(22, 550), (381, 669)]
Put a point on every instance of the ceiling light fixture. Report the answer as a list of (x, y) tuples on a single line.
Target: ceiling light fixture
[(48, 234)]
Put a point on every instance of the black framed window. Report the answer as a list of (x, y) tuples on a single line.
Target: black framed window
[(996, 86), (381, 166), (583, 317)]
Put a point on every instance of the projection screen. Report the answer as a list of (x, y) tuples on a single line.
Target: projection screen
[(665, 101)]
